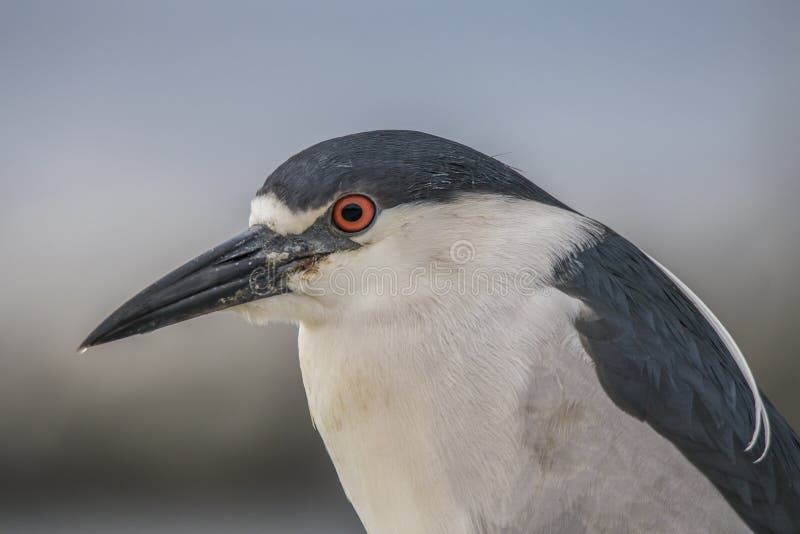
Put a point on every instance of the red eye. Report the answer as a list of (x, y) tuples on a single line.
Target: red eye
[(353, 213)]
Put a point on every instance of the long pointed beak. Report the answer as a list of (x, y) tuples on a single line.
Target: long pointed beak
[(250, 266)]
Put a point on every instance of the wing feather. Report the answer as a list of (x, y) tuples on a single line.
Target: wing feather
[(662, 356)]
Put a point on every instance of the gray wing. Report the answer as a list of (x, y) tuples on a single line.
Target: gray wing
[(660, 359)]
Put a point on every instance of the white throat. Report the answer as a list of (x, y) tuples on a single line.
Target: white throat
[(417, 394), (421, 414)]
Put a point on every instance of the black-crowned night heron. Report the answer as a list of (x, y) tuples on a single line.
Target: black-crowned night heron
[(479, 357)]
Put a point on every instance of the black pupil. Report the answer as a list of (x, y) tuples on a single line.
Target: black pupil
[(352, 212)]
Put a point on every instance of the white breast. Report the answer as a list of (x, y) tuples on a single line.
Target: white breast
[(492, 421)]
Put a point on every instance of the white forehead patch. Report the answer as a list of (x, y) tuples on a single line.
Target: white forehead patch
[(278, 217)]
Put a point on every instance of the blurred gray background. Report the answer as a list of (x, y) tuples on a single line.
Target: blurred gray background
[(133, 134)]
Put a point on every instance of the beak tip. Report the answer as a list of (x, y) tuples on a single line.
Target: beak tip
[(217, 279), (90, 341)]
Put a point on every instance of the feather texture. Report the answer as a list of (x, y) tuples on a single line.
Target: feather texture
[(661, 358)]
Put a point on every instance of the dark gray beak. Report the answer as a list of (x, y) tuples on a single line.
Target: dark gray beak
[(250, 266)]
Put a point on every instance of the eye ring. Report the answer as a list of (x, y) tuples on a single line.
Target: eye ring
[(353, 213)]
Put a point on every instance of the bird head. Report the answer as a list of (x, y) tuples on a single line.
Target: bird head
[(366, 224)]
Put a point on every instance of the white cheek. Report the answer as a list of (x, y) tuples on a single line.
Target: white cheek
[(414, 252)]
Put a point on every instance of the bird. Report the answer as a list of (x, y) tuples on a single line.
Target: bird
[(479, 357)]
